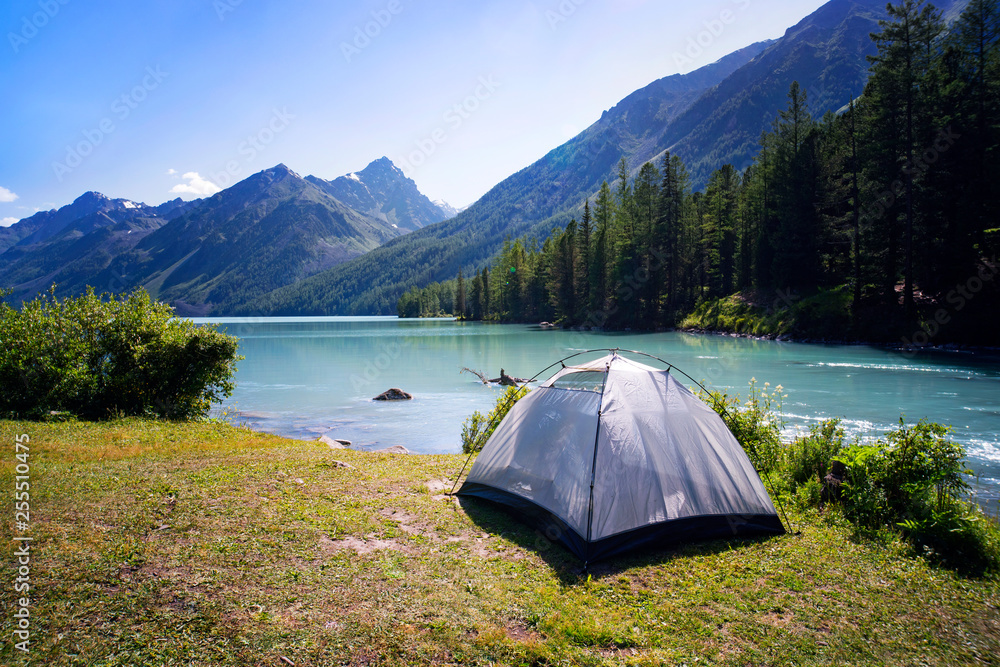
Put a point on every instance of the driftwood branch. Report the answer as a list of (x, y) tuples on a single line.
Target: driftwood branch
[(480, 375), (504, 379)]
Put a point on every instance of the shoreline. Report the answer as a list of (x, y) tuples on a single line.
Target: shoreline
[(788, 338), (779, 338)]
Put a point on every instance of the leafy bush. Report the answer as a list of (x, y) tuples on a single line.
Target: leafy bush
[(913, 481), (478, 428), (98, 357), (914, 471), (808, 458), (756, 423)]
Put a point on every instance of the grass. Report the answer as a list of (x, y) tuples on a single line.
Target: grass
[(203, 544), (825, 315)]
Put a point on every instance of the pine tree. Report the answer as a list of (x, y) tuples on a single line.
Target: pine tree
[(562, 274), (603, 259), (459, 310), (646, 200), (487, 305), (477, 297), (583, 264), (795, 167), (899, 68)]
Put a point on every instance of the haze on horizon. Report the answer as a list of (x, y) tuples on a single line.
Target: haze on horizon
[(151, 102)]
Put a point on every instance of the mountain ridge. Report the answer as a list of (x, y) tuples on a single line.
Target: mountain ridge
[(272, 228)]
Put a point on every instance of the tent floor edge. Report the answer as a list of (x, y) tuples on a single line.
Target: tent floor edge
[(664, 535), (551, 527), (679, 532)]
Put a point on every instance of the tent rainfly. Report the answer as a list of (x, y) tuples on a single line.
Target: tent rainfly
[(612, 455)]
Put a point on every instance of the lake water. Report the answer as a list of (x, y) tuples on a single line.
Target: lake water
[(305, 377)]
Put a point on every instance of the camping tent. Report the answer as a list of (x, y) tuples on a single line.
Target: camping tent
[(613, 454)]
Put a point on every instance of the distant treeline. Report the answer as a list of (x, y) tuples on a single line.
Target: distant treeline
[(891, 203)]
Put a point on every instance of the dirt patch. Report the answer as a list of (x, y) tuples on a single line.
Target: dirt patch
[(361, 546), (440, 489), (776, 620), (618, 653), (438, 485), (520, 632), (408, 523)]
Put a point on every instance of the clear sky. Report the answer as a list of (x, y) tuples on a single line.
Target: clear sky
[(164, 98)]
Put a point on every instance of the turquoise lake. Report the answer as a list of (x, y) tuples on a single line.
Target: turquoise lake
[(306, 377)]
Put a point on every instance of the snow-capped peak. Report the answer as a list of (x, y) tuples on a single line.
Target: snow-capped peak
[(446, 208)]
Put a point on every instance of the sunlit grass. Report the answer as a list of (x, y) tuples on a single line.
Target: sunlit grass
[(161, 543)]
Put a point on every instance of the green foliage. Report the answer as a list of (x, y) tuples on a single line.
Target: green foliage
[(756, 422), (808, 458), (913, 471), (435, 300), (913, 480), (98, 357), (477, 428)]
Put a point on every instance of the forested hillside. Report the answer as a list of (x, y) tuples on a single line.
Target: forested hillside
[(878, 223)]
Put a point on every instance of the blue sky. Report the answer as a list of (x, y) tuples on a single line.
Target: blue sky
[(166, 98)]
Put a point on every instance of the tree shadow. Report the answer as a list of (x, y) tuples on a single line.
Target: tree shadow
[(498, 519)]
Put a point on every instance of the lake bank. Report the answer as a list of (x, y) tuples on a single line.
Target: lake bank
[(210, 544)]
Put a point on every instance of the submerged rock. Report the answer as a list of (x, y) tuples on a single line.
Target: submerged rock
[(393, 394)]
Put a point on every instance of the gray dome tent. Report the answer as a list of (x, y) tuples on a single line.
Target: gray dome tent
[(612, 454)]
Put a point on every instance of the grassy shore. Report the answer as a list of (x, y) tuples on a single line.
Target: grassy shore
[(823, 316), (202, 544)]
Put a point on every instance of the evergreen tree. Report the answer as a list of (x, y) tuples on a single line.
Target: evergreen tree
[(460, 296), (795, 264), (720, 230), (478, 309), (622, 282), (583, 265), (900, 68), (600, 278), (646, 203), (562, 274), (487, 295)]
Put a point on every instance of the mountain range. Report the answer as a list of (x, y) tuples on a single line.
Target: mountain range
[(211, 255), (277, 243)]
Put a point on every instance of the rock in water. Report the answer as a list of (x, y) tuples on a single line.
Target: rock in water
[(393, 394), (334, 444)]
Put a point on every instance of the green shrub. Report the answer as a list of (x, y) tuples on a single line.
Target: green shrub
[(960, 535), (913, 481), (809, 493), (756, 423), (477, 428), (808, 458), (99, 357)]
